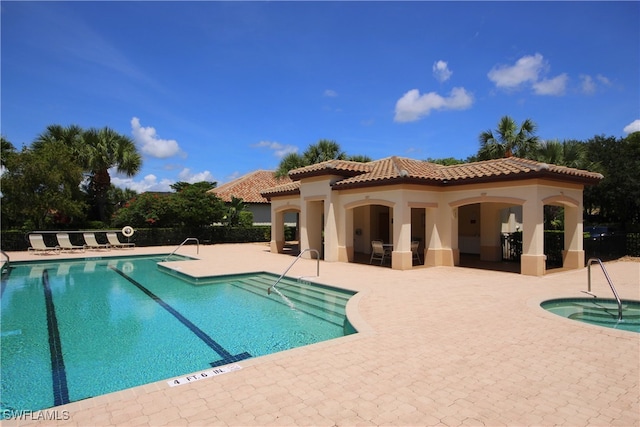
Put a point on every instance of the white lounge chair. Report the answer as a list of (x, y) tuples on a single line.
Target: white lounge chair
[(92, 243), (38, 245), (378, 251), (116, 243), (65, 243)]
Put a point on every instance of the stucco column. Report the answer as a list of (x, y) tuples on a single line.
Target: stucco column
[(532, 262), (331, 225), (345, 248), (441, 223), (573, 255), (277, 232), (401, 258), (490, 225)]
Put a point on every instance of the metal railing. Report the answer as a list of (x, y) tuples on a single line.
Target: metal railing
[(273, 287), (181, 244), (606, 275), (8, 263)]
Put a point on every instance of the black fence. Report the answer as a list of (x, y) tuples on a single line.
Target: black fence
[(604, 247), (18, 240)]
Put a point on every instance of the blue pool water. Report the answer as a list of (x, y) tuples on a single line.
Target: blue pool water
[(597, 311), (78, 329)]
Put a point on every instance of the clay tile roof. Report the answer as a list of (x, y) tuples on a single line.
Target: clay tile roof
[(510, 167), (330, 167), (248, 187), (399, 169), (290, 188), (395, 170)]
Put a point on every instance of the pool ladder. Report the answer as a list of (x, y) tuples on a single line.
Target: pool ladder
[(273, 287), (606, 275), (6, 264), (181, 244)]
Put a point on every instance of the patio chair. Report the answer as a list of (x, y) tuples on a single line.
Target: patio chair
[(116, 243), (414, 251), (38, 246), (378, 251), (65, 243), (92, 243)]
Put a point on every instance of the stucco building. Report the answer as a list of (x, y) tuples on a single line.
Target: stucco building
[(344, 205)]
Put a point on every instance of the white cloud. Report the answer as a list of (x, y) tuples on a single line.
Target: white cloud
[(602, 79), (634, 126), (148, 183), (330, 93), (526, 69), (149, 142), (554, 86), (441, 71), (412, 106), (279, 150), (187, 176), (587, 84)]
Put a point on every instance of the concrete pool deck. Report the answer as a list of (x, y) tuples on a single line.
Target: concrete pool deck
[(437, 346)]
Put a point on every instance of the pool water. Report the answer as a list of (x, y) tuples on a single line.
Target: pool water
[(78, 329), (597, 311)]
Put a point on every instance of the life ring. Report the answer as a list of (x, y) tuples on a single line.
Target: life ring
[(127, 231)]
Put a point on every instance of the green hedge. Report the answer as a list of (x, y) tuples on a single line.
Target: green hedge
[(13, 240)]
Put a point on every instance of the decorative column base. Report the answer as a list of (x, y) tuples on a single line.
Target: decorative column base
[(573, 259), (277, 246), (401, 260), (532, 265), (441, 257)]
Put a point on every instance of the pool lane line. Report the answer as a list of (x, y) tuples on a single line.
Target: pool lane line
[(226, 356), (58, 371)]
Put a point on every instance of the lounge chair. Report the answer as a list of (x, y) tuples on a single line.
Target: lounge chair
[(116, 243), (38, 246), (378, 251), (92, 243), (65, 243)]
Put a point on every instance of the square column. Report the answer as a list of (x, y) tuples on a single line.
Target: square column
[(532, 262), (573, 255)]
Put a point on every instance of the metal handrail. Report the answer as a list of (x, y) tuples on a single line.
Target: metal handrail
[(8, 264), (291, 265), (606, 275), (185, 241)]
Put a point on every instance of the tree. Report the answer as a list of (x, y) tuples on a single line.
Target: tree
[(192, 206), (104, 149), (6, 150), (234, 212), (97, 151), (322, 151), (41, 188), (509, 140), (616, 199)]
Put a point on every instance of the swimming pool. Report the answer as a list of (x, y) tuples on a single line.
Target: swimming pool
[(76, 329), (597, 311)]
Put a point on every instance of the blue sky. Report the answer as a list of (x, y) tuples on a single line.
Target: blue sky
[(214, 90)]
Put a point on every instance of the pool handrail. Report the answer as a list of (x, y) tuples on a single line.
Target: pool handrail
[(180, 245), (291, 265), (606, 275), (8, 263)]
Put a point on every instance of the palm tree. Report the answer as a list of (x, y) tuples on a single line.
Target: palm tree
[(322, 151), (104, 149), (319, 152), (567, 153), (509, 140), (290, 162)]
